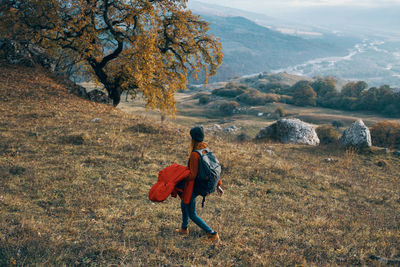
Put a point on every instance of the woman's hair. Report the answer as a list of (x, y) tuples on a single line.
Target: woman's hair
[(193, 144), (197, 133)]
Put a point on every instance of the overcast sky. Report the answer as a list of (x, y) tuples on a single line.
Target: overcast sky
[(265, 5)]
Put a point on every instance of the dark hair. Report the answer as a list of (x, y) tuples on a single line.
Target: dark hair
[(197, 133)]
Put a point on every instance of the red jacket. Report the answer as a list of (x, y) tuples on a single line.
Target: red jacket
[(167, 180), (169, 177)]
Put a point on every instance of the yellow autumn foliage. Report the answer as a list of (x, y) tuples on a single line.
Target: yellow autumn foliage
[(142, 47)]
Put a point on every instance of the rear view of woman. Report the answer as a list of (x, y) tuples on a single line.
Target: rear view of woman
[(188, 196)]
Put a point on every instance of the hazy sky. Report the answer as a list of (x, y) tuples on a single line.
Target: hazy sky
[(263, 5)]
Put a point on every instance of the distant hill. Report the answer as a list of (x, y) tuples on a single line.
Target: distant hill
[(362, 21), (353, 43), (380, 21), (282, 78), (250, 48), (274, 23)]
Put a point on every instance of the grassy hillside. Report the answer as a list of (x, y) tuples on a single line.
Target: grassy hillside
[(74, 191)]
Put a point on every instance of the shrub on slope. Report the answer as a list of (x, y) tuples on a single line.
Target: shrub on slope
[(253, 97)]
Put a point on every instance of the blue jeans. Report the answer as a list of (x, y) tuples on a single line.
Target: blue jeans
[(189, 211)]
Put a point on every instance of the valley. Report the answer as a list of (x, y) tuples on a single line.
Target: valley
[(251, 120), (305, 43), (376, 62)]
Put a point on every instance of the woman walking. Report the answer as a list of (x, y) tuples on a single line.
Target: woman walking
[(188, 196)]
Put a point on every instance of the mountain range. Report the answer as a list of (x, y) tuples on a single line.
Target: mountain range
[(249, 47)]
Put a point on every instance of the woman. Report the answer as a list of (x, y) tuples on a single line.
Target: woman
[(188, 203)]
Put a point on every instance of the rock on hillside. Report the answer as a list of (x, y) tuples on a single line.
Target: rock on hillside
[(357, 135), (33, 91), (25, 54), (29, 55), (293, 131)]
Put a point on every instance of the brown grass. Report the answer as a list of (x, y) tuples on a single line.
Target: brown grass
[(85, 203)]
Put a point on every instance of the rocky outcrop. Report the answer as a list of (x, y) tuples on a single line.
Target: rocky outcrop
[(218, 128), (357, 135), (25, 53), (78, 90), (99, 96), (214, 128), (292, 131), (231, 129), (330, 160), (72, 87), (396, 153)]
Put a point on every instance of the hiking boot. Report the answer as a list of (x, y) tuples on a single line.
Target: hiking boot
[(182, 231), (213, 237)]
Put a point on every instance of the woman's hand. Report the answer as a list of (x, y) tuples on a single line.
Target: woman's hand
[(220, 191)]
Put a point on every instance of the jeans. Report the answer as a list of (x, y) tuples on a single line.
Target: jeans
[(189, 211)]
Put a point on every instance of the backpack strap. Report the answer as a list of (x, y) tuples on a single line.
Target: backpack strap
[(200, 151)]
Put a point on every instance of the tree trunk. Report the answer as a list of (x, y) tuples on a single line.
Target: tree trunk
[(115, 95), (111, 87)]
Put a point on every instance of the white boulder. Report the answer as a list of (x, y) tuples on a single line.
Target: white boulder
[(292, 131), (231, 129), (357, 135), (214, 128)]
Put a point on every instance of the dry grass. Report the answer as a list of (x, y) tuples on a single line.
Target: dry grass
[(74, 192)]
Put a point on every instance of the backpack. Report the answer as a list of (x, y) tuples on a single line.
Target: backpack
[(208, 175)]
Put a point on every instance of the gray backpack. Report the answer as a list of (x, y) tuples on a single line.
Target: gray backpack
[(208, 175)]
